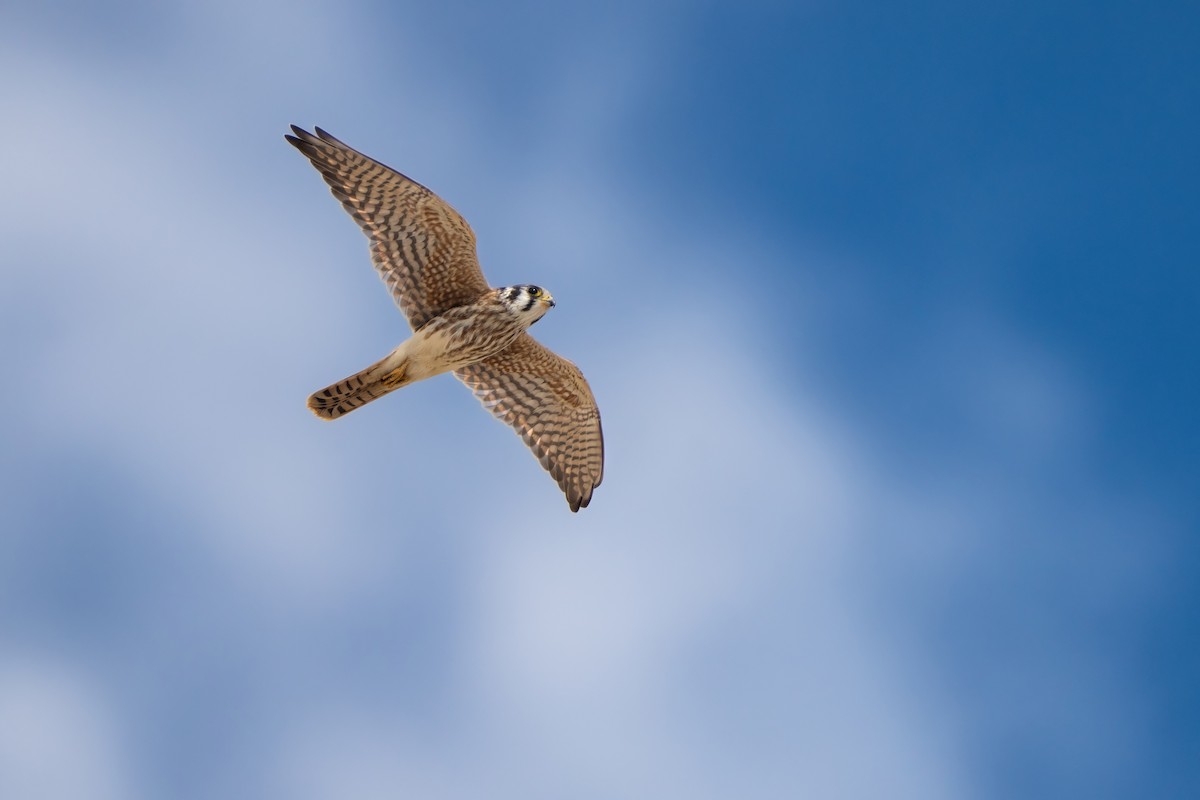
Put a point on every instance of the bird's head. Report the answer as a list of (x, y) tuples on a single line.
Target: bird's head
[(527, 301)]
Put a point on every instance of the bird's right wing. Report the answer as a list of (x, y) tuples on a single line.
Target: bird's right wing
[(423, 249), (546, 400)]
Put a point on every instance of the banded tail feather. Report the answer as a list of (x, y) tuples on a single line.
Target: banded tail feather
[(359, 389)]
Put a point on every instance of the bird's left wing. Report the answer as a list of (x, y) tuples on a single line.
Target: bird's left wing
[(423, 249)]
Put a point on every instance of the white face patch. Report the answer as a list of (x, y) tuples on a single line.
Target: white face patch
[(526, 301), (511, 297)]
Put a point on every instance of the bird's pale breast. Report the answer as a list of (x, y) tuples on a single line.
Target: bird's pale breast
[(465, 335)]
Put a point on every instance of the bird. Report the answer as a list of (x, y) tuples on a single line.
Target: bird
[(425, 253)]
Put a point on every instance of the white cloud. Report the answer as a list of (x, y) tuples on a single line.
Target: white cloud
[(341, 751), (59, 736)]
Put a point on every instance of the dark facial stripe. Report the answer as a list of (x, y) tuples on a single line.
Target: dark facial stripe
[(528, 304)]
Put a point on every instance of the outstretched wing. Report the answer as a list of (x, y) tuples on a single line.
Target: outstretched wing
[(546, 399), (424, 249)]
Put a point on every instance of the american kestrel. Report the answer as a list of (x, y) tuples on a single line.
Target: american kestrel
[(425, 252)]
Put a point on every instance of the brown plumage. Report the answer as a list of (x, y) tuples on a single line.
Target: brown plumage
[(425, 252), (546, 399)]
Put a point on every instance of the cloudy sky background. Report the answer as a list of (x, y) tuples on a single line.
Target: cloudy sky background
[(890, 313)]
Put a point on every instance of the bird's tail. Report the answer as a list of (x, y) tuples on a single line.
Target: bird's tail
[(359, 389)]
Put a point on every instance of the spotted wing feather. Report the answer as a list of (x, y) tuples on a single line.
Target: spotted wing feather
[(423, 249), (546, 400)]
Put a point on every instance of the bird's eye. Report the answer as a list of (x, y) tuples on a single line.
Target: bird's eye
[(535, 291)]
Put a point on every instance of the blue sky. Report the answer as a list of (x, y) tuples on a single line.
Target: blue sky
[(889, 310)]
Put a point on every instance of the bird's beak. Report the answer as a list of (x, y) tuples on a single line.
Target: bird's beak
[(548, 300)]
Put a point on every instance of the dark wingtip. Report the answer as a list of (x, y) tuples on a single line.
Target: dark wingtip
[(300, 134), (302, 140), (325, 135), (579, 502)]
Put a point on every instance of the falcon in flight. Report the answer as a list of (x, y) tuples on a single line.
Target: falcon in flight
[(425, 252)]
